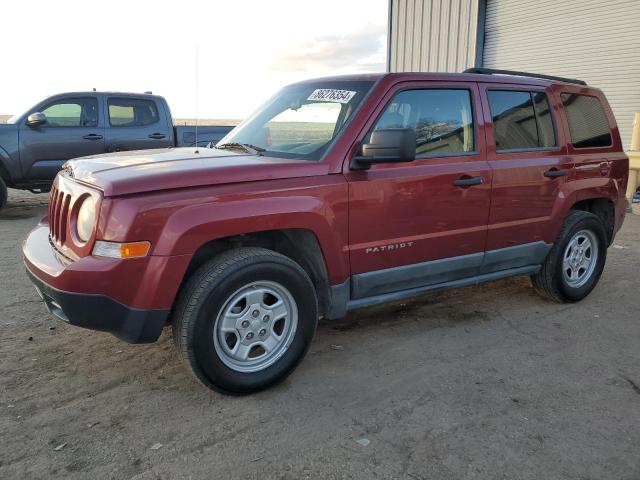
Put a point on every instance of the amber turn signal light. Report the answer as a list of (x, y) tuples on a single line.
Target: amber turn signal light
[(121, 250), (134, 249)]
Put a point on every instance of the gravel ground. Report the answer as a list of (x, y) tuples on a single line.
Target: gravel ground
[(487, 382)]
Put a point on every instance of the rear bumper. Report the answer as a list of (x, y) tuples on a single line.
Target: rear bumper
[(99, 312)]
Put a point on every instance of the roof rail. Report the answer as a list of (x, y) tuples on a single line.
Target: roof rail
[(493, 71)]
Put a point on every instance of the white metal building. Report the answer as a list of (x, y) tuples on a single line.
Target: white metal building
[(594, 40)]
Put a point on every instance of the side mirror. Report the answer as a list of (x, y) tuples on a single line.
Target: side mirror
[(389, 145), (36, 119)]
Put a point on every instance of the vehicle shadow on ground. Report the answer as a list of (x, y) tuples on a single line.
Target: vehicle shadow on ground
[(436, 310)]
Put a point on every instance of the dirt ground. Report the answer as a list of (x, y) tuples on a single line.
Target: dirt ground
[(489, 382)]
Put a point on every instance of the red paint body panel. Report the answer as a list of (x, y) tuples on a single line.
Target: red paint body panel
[(522, 198), (179, 200), (176, 225), (171, 168), (414, 208)]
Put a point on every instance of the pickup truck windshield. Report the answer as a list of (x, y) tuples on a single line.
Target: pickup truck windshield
[(301, 120)]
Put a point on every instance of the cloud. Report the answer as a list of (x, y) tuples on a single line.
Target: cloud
[(361, 51)]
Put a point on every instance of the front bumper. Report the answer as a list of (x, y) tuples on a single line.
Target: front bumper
[(99, 312), (128, 298)]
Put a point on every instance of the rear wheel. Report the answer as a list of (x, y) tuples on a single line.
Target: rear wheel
[(3, 193), (245, 320), (574, 264)]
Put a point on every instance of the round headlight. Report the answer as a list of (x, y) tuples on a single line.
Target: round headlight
[(86, 219)]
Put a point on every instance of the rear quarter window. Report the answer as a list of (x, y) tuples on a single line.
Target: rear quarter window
[(588, 123)]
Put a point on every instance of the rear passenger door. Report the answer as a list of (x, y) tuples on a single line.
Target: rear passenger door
[(529, 168), (135, 124)]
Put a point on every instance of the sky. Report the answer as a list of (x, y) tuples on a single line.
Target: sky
[(247, 49)]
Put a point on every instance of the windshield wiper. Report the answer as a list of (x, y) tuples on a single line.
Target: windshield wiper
[(252, 149)]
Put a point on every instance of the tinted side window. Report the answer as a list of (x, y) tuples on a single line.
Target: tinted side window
[(587, 121), (521, 119), (77, 112), (546, 133), (442, 120), (132, 112)]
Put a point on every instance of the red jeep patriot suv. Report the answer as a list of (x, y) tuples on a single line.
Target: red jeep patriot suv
[(337, 194)]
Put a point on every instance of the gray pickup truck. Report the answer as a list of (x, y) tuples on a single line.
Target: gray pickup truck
[(35, 144)]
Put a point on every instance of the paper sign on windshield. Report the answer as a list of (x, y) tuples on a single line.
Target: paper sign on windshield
[(331, 95)]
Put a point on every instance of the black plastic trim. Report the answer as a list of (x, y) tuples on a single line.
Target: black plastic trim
[(392, 284), (394, 296), (99, 312), (495, 71), (415, 275)]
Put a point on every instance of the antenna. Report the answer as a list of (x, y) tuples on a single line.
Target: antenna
[(197, 86)]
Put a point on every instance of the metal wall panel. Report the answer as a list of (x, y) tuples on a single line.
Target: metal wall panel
[(595, 40), (432, 35)]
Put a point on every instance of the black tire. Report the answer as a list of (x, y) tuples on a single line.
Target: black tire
[(206, 293), (3, 193), (550, 281)]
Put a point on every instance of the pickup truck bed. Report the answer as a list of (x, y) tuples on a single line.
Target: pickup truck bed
[(185, 135)]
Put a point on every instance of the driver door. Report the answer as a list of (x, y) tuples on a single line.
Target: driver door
[(417, 224), (73, 129)]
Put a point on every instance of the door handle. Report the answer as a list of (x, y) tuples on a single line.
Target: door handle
[(555, 172), (92, 136), (157, 136), (467, 181)]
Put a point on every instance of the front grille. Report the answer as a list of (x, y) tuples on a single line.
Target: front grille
[(66, 194), (58, 215)]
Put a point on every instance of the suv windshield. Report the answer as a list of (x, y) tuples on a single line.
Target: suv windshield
[(301, 120)]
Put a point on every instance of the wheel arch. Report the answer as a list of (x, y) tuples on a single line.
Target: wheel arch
[(299, 244), (4, 171), (601, 207), (599, 197)]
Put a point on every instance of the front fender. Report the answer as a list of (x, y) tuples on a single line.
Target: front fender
[(180, 222), (187, 230)]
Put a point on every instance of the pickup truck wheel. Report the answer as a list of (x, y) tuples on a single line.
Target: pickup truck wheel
[(245, 320), (3, 193), (574, 264)]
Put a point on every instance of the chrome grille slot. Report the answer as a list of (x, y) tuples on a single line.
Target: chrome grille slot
[(52, 196), (64, 219), (58, 215), (52, 212)]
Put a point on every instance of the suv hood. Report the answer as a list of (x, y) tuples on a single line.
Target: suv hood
[(151, 170)]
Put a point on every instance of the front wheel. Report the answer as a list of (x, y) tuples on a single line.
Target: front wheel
[(574, 264), (245, 320)]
